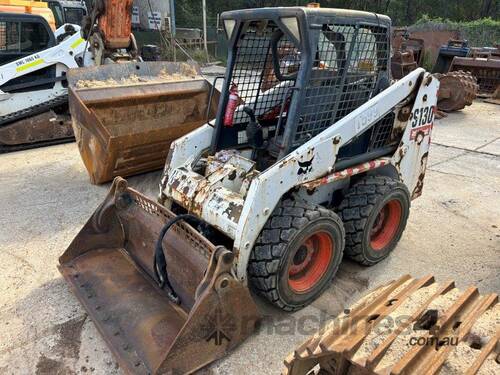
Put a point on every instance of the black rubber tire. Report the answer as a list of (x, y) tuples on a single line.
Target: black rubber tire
[(288, 227), (359, 210)]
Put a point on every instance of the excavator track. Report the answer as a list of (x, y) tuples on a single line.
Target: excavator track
[(35, 127), (32, 111), (409, 326), (458, 90), (29, 146)]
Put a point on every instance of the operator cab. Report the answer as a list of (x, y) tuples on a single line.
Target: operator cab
[(65, 12), (22, 35), (293, 72)]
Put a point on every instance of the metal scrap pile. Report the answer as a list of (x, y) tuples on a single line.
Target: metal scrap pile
[(465, 73), (409, 326), (483, 65), (457, 90)]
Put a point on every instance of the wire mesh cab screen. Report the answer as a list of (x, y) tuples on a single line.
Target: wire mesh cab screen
[(346, 71), (346, 65), (255, 79)]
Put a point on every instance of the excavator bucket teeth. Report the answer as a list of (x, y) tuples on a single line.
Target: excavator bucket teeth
[(125, 116), (408, 326), (109, 267)]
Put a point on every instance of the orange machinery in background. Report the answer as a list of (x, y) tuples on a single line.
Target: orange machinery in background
[(115, 23), (40, 8)]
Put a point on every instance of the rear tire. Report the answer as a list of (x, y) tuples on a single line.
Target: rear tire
[(296, 255), (375, 212)]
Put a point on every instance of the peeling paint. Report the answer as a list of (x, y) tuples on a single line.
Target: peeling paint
[(217, 197), (362, 168)]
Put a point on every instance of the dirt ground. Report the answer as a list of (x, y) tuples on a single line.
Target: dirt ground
[(45, 198)]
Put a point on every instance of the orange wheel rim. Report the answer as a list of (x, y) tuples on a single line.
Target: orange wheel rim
[(386, 225), (310, 262)]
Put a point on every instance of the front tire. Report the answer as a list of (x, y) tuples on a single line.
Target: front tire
[(375, 212), (296, 255)]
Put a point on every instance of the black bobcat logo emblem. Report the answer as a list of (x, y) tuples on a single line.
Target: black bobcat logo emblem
[(305, 167)]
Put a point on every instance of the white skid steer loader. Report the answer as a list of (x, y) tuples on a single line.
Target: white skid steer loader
[(33, 86), (312, 156)]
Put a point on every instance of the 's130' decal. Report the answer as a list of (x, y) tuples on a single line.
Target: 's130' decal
[(422, 120), (422, 116)]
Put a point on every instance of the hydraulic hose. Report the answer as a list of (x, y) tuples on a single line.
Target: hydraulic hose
[(160, 261)]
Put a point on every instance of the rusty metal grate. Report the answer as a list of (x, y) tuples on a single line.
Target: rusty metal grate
[(344, 76), (197, 242), (487, 79), (409, 326), (487, 72), (3, 36), (9, 36)]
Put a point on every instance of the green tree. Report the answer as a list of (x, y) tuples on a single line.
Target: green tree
[(402, 12)]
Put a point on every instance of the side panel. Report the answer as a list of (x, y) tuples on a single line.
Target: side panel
[(63, 53), (411, 157)]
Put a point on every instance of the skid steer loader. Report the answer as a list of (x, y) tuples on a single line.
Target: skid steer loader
[(319, 159), (33, 75), (33, 86)]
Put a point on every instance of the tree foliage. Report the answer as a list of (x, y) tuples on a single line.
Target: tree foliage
[(482, 32), (402, 12)]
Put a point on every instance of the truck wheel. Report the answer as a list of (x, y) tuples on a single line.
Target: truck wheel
[(374, 211), (296, 255)]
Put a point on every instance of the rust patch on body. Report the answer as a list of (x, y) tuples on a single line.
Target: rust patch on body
[(417, 192)]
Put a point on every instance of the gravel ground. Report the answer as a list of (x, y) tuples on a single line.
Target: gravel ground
[(45, 198)]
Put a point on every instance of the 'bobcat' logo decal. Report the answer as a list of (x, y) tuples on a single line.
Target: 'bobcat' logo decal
[(305, 166)]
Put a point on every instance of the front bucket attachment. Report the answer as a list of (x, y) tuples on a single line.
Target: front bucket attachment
[(109, 267), (125, 116)]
